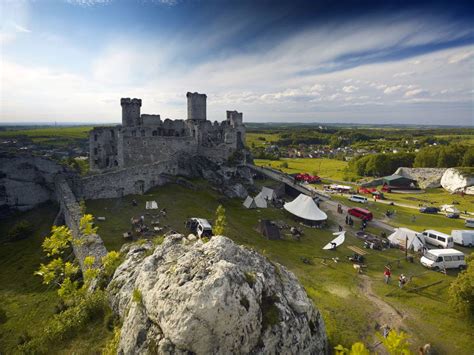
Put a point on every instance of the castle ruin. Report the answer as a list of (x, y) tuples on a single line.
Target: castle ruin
[(146, 139)]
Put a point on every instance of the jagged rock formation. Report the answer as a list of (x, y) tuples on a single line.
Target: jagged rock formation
[(455, 180), (210, 298), (27, 180), (426, 177)]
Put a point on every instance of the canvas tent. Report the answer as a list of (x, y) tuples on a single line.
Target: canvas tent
[(402, 236), (250, 202), (260, 201), (268, 229), (256, 202), (305, 208), (268, 194), (151, 205)]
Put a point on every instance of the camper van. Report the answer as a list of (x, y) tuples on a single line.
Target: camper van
[(464, 238), (469, 222), (437, 259), (438, 239), (358, 198), (200, 226)]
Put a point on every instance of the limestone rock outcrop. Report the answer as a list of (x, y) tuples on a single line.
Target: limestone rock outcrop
[(426, 177), (211, 298), (455, 180)]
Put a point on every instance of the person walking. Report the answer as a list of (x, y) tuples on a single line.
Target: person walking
[(401, 280), (387, 274)]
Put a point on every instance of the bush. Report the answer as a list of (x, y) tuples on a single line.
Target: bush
[(66, 324), (3, 316), (461, 291), (137, 296), (19, 231), (284, 165), (112, 345)]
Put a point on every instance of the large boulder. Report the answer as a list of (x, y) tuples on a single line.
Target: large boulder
[(188, 296), (426, 177), (456, 180)]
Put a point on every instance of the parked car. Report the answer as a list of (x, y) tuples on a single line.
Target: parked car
[(463, 237), (358, 198), (438, 239), (443, 259), (452, 215), (427, 209), (361, 213), (200, 226)]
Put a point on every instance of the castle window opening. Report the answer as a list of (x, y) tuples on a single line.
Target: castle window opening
[(143, 133), (107, 161), (95, 151), (112, 135), (134, 133), (95, 137), (154, 133)]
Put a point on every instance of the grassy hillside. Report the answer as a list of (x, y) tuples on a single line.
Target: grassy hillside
[(325, 168), (27, 302), (335, 288)]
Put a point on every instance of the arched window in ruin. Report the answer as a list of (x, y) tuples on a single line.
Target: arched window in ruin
[(95, 137), (143, 133), (112, 134), (154, 133), (95, 151)]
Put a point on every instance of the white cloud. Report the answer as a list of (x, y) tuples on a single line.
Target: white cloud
[(392, 89), (349, 89), (460, 57)]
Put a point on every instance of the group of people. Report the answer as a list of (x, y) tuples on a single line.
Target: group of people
[(387, 274), (349, 220)]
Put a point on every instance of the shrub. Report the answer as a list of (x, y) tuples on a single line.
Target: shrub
[(251, 278), (112, 345), (284, 165), (20, 230), (137, 296), (3, 316), (110, 262), (461, 291), (221, 222), (158, 240)]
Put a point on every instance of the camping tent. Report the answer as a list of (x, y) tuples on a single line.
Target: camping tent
[(268, 194), (413, 240), (305, 208), (269, 229), (151, 205), (250, 202), (260, 201)]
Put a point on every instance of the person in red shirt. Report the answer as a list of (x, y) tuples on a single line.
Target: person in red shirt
[(387, 274)]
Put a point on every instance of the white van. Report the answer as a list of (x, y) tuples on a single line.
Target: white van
[(200, 226), (439, 259), (469, 222), (465, 238), (438, 239), (358, 198)]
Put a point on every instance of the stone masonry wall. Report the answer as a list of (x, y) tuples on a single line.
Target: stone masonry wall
[(126, 181), (87, 245)]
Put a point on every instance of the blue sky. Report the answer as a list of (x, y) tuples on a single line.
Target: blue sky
[(319, 61)]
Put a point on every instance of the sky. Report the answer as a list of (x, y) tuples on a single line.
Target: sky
[(373, 62)]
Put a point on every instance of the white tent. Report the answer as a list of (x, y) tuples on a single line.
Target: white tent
[(151, 205), (268, 194), (260, 201), (402, 236), (304, 207), (250, 202)]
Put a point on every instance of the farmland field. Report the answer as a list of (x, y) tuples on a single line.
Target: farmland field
[(325, 168), (56, 136)]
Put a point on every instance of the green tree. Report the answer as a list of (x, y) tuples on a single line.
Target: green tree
[(461, 291), (220, 222), (468, 158), (87, 224)]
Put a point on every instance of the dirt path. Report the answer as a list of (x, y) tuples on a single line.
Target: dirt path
[(385, 314)]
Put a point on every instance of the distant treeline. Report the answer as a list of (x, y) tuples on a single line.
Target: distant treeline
[(454, 155)]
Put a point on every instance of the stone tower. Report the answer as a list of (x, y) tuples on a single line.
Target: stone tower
[(196, 106), (130, 111)]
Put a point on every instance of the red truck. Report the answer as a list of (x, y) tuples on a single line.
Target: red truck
[(361, 213), (312, 179)]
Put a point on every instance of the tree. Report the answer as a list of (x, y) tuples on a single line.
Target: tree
[(461, 291), (221, 222), (87, 224), (58, 241), (468, 158)]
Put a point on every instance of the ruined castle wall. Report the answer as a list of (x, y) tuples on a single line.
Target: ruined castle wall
[(103, 148), (87, 245), (147, 150), (127, 181)]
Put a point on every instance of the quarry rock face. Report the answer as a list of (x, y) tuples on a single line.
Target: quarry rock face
[(454, 180), (209, 298), (426, 177)]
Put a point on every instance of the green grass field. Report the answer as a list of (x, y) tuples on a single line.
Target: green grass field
[(334, 287), (256, 140), (56, 136), (27, 302), (325, 168)]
